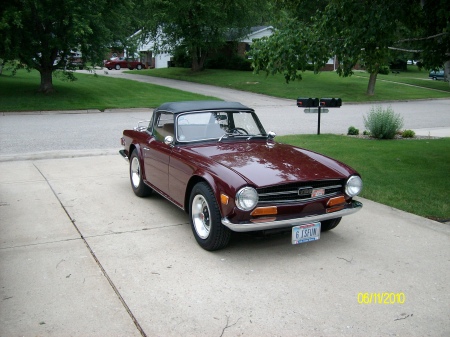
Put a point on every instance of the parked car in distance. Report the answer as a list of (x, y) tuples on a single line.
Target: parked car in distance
[(436, 75), (70, 62), (215, 161), (76, 60), (121, 62)]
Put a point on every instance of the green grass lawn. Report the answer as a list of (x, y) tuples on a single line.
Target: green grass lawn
[(411, 175), (324, 84), (18, 93)]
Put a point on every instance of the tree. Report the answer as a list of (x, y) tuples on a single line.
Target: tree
[(199, 25), (430, 35), (362, 32), (42, 34)]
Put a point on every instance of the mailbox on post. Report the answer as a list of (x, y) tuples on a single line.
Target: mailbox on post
[(318, 103)]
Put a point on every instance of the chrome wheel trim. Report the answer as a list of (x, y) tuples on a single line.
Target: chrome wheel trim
[(135, 172), (201, 216)]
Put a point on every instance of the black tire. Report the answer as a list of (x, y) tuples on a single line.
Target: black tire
[(205, 219), (329, 224), (136, 180), (117, 67), (109, 68), (139, 67)]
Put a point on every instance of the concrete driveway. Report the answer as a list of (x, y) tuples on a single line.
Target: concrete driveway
[(80, 255)]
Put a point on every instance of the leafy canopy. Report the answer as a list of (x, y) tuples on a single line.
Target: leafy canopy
[(42, 34), (368, 32)]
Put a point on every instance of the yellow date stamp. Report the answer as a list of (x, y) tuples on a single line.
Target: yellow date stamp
[(381, 298)]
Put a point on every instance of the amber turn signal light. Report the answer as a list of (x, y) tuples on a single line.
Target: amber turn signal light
[(336, 201), (335, 204), (271, 210)]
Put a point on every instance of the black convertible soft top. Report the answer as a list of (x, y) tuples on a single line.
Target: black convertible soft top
[(178, 107)]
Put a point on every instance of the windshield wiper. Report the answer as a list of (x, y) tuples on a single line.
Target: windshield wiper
[(251, 136), (226, 135)]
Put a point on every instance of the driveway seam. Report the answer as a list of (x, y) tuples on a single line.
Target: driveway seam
[(38, 244), (91, 251), (136, 230)]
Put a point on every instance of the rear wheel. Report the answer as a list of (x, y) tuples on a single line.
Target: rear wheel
[(139, 67), (136, 179), (205, 219), (329, 224), (117, 67)]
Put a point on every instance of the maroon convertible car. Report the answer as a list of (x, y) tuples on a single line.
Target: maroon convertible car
[(215, 161)]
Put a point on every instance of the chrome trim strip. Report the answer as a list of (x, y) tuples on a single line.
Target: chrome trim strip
[(280, 202), (295, 192), (256, 226)]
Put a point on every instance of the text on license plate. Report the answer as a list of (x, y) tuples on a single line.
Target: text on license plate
[(305, 233)]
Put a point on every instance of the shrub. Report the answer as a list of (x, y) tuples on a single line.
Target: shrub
[(234, 62), (384, 70), (383, 124), (408, 134), (366, 133), (352, 131)]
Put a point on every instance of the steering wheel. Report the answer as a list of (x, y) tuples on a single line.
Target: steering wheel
[(240, 131)]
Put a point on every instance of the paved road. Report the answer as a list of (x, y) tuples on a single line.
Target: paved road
[(80, 255)]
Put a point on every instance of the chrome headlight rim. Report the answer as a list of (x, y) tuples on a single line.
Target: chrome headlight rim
[(246, 198), (354, 186)]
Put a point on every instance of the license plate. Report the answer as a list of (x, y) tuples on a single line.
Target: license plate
[(305, 233)]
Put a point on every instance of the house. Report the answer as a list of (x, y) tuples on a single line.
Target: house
[(154, 59), (257, 32)]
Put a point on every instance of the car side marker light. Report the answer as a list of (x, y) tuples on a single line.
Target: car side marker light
[(270, 210), (224, 199)]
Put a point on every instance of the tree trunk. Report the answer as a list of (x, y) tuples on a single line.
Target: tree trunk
[(371, 86), (46, 86), (447, 71), (198, 59), (195, 64)]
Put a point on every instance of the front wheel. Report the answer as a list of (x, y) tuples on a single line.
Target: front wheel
[(117, 67), (205, 219), (139, 67), (329, 224), (136, 179)]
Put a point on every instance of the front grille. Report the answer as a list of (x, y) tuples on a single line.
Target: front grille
[(299, 191)]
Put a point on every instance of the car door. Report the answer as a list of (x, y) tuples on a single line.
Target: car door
[(157, 154)]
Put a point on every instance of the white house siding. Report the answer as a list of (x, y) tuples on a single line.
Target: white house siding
[(161, 60)]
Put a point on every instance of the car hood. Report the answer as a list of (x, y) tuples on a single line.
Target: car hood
[(265, 164)]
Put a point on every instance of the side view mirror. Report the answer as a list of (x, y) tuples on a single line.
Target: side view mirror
[(271, 135), (168, 140)]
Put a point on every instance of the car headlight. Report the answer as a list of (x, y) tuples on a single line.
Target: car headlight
[(246, 198), (354, 186)]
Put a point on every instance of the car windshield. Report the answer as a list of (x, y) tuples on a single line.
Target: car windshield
[(208, 125)]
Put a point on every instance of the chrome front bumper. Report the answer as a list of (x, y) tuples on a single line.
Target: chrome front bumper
[(257, 226)]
